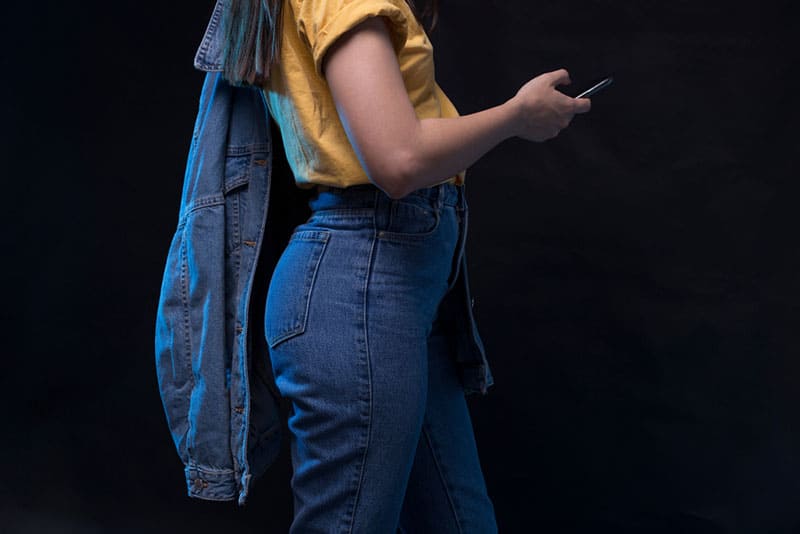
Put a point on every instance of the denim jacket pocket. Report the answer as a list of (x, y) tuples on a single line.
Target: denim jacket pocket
[(238, 164), (289, 293)]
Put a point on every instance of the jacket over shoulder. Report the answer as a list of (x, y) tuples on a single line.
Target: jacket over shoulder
[(214, 377)]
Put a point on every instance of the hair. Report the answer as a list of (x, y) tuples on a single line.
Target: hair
[(251, 32)]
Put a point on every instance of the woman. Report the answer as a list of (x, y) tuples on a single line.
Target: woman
[(381, 437)]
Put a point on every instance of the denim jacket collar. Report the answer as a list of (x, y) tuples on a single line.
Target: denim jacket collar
[(208, 57)]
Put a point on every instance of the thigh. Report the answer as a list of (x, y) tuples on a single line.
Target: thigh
[(446, 491), (315, 329), (347, 317)]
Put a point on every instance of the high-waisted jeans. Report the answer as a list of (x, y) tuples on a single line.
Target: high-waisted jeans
[(380, 436)]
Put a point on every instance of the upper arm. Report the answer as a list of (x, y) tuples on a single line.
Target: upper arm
[(366, 84)]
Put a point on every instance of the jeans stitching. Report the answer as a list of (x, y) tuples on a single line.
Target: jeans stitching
[(439, 469), (369, 373), (410, 237)]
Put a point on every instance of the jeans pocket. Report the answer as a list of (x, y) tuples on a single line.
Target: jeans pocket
[(410, 218), (289, 293)]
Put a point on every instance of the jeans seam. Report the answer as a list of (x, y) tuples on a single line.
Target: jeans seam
[(367, 275), (437, 463)]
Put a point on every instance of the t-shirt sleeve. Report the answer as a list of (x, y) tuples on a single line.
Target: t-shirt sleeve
[(321, 22)]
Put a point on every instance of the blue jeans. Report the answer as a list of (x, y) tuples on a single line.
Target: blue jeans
[(380, 435)]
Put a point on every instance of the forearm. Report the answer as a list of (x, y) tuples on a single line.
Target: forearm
[(443, 147)]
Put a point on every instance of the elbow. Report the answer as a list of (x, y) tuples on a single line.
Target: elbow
[(393, 187), (395, 174), (388, 183)]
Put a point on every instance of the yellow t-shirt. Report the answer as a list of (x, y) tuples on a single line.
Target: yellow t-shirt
[(300, 101)]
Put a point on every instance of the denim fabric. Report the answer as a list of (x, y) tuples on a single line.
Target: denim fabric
[(381, 436), (213, 370), (223, 418)]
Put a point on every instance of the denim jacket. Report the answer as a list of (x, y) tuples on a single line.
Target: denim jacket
[(214, 377)]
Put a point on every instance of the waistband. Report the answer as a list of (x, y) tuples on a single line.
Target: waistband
[(367, 195)]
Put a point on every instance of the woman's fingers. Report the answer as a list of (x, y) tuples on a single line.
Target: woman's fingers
[(582, 105), (559, 77)]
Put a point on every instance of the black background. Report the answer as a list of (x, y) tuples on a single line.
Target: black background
[(636, 278)]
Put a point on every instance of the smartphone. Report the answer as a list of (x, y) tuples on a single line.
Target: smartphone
[(599, 86)]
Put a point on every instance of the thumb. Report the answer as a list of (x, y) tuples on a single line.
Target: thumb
[(582, 105)]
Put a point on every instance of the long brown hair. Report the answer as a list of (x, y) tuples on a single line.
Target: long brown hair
[(251, 30)]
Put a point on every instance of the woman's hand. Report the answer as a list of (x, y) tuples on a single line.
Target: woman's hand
[(542, 110)]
